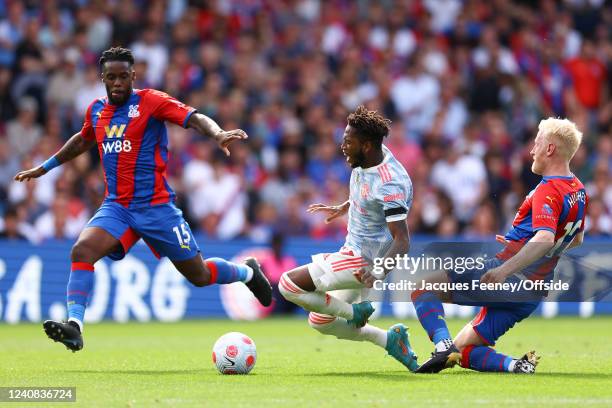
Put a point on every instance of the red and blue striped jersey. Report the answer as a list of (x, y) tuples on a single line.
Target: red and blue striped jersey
[(558, 204), (133, 145)]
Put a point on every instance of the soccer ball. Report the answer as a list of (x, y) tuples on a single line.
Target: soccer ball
[(234, 353)]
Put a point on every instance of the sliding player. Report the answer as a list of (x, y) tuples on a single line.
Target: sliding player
[(128, 128), (550, 220), (380, 197)]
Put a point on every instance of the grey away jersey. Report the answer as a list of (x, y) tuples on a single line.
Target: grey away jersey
[(378, 195)]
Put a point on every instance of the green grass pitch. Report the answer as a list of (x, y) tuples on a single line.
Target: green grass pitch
[(167, 365)]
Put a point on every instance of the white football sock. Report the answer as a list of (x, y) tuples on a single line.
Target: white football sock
[(249, 275), (444, 345), (374, 335), (511, 365), (341, 329)]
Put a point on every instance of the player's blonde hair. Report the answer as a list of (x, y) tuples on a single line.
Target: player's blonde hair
[(564, 133)]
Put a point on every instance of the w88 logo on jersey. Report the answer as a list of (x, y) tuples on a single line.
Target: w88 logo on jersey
[(116, 146), (115, 142)]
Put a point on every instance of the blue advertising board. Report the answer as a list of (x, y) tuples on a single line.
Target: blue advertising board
[(140, 287)]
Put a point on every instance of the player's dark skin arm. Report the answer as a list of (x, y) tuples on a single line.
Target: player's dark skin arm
[(300, 275), (208, 127), (333, 211), (400, 246), (74, 147)]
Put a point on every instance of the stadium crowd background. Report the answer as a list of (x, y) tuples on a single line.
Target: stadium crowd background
[(465, 83)]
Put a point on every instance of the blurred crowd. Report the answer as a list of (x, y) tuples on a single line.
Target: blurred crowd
[(464, 82)]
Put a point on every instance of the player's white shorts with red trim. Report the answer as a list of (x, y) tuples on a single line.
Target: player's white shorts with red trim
[(334, 271)]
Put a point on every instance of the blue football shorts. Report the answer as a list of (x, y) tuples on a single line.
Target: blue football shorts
[(162, 227), (500, 310)]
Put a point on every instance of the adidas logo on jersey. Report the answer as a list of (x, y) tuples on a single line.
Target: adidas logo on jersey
[(133, 111)]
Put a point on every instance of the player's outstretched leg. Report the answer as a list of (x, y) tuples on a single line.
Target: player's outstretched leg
[(440, 360), (202, 272), (338, 327), (67, 333), (80, 284), (398, 346), (259, 284), (93, 244), (394, 341), (526, 364), (250, 273), (486, 359), (430, 312), (476, 339), (322, 303)]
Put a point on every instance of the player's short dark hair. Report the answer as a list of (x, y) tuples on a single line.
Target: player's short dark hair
[(117, 54), (369, 125)]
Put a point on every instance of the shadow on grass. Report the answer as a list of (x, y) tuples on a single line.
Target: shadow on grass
[(136, 372), (580, 376), (405, 376), (383, 375)]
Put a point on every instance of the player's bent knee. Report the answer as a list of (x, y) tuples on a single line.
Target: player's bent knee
[(288, 295), (460, 343), (321, 322), (287, 288), (83, 251), (467, 337)]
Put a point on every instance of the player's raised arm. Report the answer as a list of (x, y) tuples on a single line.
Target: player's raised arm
[(537, 247), (75, 146), (334, 211), (208, 127)]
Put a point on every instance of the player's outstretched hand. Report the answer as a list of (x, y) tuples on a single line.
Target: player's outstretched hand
[(26, 175), (501, 239), (225, 138), (366, 277), (334, 211)]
